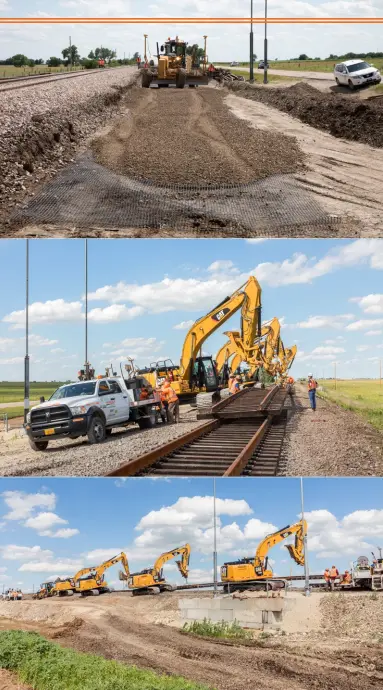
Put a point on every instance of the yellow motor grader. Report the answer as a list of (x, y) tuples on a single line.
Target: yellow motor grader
[(175, 66)]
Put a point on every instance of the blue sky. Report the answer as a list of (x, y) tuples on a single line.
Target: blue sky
[(50, 527), (225, 42), (144, 294)]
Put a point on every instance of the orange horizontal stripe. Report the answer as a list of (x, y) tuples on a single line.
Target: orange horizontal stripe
[(190, 20)]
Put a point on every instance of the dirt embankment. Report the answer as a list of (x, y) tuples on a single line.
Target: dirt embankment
[(9, 681), (143, 631), (346, 117), (33, 149), (191, 137)]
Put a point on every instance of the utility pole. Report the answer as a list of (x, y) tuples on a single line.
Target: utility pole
[(70, 52), (26, 359), (251, 47), (86, 312), (307, 576), (265, 48), (215, 541)]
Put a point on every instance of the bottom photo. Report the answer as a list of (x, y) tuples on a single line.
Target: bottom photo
[(191, 584)]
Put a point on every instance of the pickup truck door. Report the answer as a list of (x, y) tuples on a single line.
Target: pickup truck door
[(121, 400), (107, 401)]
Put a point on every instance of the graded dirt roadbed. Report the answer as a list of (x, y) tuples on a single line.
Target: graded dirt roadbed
[(136, 631), (208, 153)]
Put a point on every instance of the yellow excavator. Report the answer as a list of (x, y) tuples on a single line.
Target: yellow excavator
[(197, 373), (151, 580), (175, 66), (250, 570), (89, 581), (261, 354), (46, 590)]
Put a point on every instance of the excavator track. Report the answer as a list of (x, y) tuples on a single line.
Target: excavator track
[(245, 438)]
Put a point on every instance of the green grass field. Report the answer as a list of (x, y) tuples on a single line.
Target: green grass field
[(258, 78), (45, 665), (13, 391), (363, 397), (306, 65)]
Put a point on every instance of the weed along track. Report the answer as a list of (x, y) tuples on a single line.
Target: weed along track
[(245, 437)]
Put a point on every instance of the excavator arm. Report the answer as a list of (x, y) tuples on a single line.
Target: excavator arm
[(296, 551), (99, 570), (247, 297), (183, 564), (261, 352)]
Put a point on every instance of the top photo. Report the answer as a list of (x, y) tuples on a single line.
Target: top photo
[(243, 119)]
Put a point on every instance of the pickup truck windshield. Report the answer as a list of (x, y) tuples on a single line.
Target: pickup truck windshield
[(86, 388)]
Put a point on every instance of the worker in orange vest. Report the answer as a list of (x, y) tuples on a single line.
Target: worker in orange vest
[(234, 386), (334, 574), (346, 579), (173, 412), (326, 576), (290, 380), (138, 62), (312, 388)]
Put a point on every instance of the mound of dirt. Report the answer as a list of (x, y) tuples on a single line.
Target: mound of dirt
[(345, 117), (191, 137)]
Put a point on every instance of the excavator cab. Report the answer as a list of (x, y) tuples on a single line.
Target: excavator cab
[(204, 375)]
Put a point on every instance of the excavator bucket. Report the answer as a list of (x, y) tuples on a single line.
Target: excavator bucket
[(295, 554)]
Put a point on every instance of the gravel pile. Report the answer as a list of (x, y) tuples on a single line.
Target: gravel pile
[(353, 615), (41, 126), (346, 117), (78, 458), (191, 137)]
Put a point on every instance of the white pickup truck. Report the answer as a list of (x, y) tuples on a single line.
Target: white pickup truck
[(92, 409)]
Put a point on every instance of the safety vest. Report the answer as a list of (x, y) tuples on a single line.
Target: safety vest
[(144, 394), (334, 572), (170, 394), (326, 574), (312, 385), (234, 388)]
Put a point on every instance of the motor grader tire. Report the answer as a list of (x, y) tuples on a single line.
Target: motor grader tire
[(181, 79), (146, 79)]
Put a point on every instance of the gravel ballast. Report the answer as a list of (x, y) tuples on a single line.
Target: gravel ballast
[(42, 126), (191, 137), (79, 458), (346, 117)]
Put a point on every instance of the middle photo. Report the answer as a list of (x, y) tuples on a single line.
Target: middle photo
[(191, 358)]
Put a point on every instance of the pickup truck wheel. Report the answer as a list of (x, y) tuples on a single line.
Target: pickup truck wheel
[(351, 85), (38, 445), (96, 431)]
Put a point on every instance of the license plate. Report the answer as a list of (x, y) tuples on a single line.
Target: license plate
[(49, 432)]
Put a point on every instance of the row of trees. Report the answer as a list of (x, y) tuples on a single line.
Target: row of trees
[(71, 56), (348, 56)]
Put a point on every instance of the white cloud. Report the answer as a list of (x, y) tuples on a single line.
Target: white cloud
[(57, 351), (39, 341), (44, 521), (373, 333), (113, 313), (220, 266), (370, 304), (362, 348), (327, 350), (22, 504), (12, 552), (337, 321), (364, 324), (67, 566), (350, 536), (51, 311), (184, 325), (256, 529), (65, 533)]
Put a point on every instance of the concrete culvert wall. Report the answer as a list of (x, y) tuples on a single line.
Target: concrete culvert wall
[(257, 612)]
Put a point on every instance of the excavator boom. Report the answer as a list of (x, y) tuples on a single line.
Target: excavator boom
[(183, 564), (248, 296)]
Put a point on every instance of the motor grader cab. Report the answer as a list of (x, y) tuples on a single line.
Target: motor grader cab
[(152, 580), (258, 568), (175, 66)]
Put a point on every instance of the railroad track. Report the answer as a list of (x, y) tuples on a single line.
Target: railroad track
[(244, 438), (26, 82)]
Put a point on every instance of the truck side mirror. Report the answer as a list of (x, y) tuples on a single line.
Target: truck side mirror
[(42, 399)]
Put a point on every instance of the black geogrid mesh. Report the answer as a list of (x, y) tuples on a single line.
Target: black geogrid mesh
[(87, 195)]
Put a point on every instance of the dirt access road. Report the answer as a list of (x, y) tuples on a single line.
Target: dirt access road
[(333, 442), (144, 631), (270, 176)]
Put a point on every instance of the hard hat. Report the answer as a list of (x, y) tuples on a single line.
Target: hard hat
[(309, 375)]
